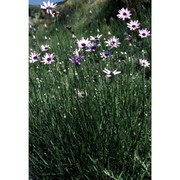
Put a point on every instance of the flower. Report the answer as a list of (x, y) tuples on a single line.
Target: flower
[(92, 47), (48, 7), (105, 54), (95, 38), (110, 74), (143, 33), (69, 28), (34, 57), (129, 38), (83, 43), (133, 25), (73, 36), (55, 13), (77, 58), (144, 63), (113, 42), (48, 58), (45, 47), (81, 94), (124, 13)]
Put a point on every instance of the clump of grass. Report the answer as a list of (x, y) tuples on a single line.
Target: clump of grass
[(90, 103)]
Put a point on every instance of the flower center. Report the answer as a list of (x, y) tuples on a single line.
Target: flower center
[(83, 44), (93, 47), (106, 53), (35, 57), (48, 8), (124, 14), (48, 59)]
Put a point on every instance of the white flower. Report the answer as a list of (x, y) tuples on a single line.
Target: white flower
[(144, 63), (133, 25), (124, 14), (95, 38), (143, 33), (34, 57), (81, 94), (83, 43), (48, 58), (113, 42), (45, 47), (111, 73), (48, 7)]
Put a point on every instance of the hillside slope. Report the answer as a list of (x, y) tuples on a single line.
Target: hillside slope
[(85, 13)]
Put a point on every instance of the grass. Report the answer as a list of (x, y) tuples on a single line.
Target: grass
[(106, 134)]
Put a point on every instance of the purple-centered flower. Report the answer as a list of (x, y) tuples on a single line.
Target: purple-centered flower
[(110, 74), (124, 14), (133, 25), (45, 47), (95, 38), (92, 47), (48, 58), (144, 63), (48, 7), (106, 54), (113, 42), (34, 57), (77, 58), (143, 33), (83, 43)]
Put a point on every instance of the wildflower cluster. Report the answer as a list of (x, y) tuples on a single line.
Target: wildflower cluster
[(44, 56), (92, 45), (132, 25), (88, 45)]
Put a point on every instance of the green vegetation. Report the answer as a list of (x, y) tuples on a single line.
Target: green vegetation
[(82, 124)]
